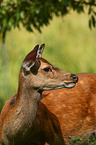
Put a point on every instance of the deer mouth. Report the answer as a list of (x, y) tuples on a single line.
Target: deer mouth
[(72, 83), (65, 85), (69, 84)]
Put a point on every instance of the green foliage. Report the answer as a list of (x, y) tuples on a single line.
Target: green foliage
[(36, 13), (88, 140), (70, 45)]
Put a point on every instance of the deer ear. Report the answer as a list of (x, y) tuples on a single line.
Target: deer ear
[(40, 50), (29, 60), (31, 56)]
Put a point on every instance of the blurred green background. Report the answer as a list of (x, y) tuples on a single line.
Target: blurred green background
[(70, 45)]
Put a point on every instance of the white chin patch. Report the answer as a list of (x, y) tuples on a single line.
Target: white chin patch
[(67, 85)]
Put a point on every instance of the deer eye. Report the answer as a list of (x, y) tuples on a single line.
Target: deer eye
[(47, 69)]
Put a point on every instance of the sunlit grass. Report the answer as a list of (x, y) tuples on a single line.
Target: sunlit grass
[(70, 45)]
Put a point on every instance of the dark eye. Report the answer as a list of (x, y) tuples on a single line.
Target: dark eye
[(47, 69)]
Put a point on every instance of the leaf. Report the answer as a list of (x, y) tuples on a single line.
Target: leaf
[(94, 12), (73, 140), (93, 20), (37, 10), (18, 16), (78, 139), (89, 12), (90, 25), (66, 2), (9, 24), (4, 22), (22, 15), (18, 1), (29, 28)]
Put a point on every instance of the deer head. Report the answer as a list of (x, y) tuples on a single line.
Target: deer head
[(39, 74)]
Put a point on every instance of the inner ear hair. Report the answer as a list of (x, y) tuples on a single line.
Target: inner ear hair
[(28, 65), (40, 50), (26, 72), (31, 67)]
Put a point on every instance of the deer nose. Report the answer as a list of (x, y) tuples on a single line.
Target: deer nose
[(74, 77)]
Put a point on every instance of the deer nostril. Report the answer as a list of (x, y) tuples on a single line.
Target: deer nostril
[(74, 77)]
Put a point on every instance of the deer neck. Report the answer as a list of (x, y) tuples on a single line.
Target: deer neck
[(28, 106), (29, 99), (25, 111), (30, 96)]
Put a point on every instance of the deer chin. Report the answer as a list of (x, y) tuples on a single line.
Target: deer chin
[(65, 85), (69, 85), (49, 88)]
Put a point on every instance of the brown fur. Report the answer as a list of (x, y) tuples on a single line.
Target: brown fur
[(75, 110), (62, 113)]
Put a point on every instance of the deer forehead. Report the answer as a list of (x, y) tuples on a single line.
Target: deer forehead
[(44, 63)]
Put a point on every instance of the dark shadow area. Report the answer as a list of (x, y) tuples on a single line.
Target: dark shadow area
[(47, 127)]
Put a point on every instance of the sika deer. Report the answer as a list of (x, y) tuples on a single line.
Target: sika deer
[(19, 112)]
